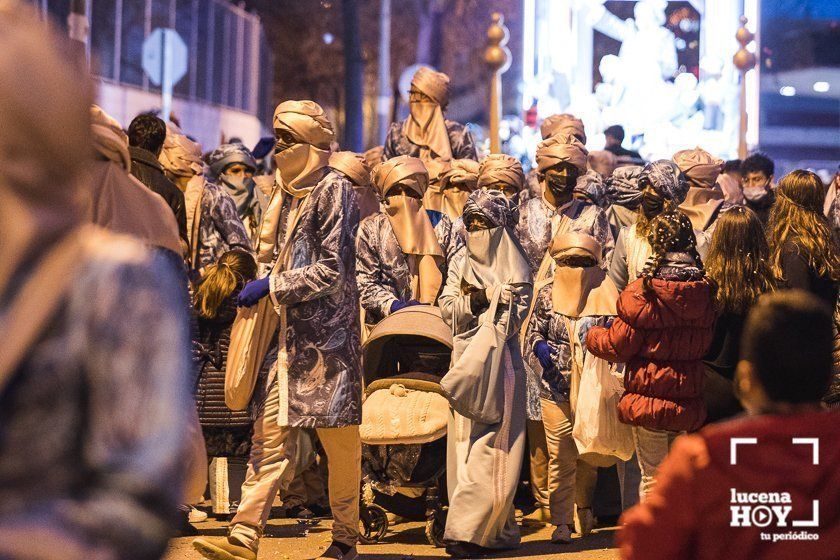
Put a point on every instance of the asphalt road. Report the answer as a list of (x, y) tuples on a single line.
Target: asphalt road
[(290, 540)]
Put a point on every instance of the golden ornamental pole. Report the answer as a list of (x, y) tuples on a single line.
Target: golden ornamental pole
[(744, 61), (497, 58)]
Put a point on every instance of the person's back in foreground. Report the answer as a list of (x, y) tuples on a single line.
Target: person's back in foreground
[(766, 486)]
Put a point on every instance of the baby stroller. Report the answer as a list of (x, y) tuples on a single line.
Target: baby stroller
[(404, 418)]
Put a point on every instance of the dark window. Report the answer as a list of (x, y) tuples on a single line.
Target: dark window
[(103, 16), (133, 33), (204, 70), (188, 30), (220, 55)]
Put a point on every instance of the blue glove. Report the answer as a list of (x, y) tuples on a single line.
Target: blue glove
[(543, 353), (398, 304), (253, 292)]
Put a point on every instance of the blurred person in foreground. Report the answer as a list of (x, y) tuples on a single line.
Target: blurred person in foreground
[(785, 368), (92, 413)]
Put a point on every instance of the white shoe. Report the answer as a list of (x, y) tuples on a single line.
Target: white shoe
[(584, 521), (197, 516), (562, 535)]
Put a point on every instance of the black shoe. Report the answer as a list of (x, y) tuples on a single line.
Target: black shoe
[(183, 527), (319, 511), (461, 549), (299, 512)]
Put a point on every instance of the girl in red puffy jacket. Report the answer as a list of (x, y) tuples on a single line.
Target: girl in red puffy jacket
[(663, 329)]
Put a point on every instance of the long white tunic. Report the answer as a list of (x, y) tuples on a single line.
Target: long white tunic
[(483, 460)]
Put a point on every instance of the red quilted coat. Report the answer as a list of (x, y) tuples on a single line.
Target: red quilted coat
[(662, 336)]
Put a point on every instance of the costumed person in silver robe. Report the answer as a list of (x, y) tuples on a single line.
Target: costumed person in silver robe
[(563, 124), (425, 133), (355, 167), (306, 250), (94, 368), (704, 201), (561, 160), (483, 460), (501, 172), (401, 259), (580, 291), (624, 196), (449, 194), (232, 166), (213, 224), (663, 186)]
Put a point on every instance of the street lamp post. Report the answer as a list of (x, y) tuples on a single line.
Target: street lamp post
[(497, 58), (744, 61)]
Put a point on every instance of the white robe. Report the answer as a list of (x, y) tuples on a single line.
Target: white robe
[(483, 460)]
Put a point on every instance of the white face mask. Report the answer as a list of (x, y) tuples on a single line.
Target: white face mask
[(755, 193)]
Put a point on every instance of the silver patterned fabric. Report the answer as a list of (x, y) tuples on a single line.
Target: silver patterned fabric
[(220, 229), (318, 291), (534, 229), (460, 139), (534, 233), (549, 326), (92, 422), (381, 267)]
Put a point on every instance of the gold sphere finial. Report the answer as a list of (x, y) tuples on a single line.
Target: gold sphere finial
[(744, 60), (497, 55)]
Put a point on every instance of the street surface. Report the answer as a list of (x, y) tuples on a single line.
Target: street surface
[(289, 540)]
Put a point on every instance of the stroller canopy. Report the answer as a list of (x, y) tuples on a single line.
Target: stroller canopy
[(402, 335)]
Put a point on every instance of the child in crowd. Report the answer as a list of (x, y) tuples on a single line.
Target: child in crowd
[(227, 433), (663, 329)]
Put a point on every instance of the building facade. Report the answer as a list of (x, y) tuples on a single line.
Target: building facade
[(226, 90)]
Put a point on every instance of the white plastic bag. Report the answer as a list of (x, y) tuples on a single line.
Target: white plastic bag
[(597, 429)]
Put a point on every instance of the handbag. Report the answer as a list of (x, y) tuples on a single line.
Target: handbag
[(474, 385)]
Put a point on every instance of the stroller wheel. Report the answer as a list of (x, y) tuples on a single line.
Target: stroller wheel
[(435, 526), (373, 522)]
